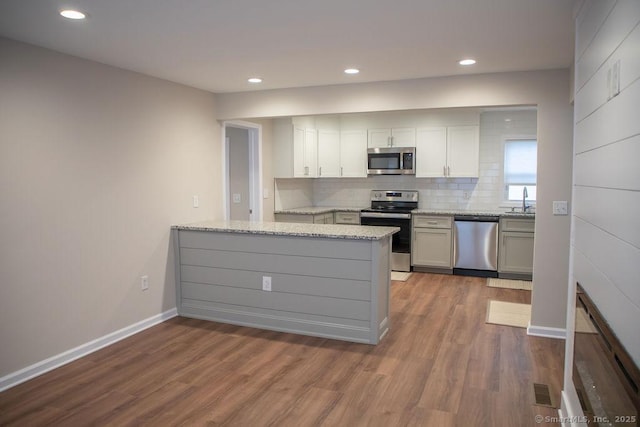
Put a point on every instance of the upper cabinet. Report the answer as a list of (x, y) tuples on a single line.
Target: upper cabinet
[(452, 152), (328, 153), (392, 137), (353, 153), (305, 155)]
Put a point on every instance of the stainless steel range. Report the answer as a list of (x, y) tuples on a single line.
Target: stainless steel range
[(392, 208)]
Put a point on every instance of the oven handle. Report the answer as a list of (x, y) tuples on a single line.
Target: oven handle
[(385, 215)]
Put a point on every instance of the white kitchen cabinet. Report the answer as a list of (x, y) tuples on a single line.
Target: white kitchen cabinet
[(452, 152), (353, 153), (396, 137), (515, 248), (328, 153), (305, 154), (431, 246)]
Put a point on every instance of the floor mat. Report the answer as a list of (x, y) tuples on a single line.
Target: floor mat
[(400, 276), (509, 284), (508, 313)]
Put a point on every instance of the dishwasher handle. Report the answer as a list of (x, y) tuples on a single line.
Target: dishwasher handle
[(476, 218)]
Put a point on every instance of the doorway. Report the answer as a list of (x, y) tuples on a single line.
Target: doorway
[(242, 171)]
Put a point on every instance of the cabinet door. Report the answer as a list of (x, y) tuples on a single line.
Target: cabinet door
[(431, 152), (353, 153), (298, 152), (379, 138), (431, 247), (403, 137), (516, 252), (310, 152), (328, 153), (463, 151)]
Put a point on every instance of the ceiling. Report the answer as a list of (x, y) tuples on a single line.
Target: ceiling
[(217, 44)]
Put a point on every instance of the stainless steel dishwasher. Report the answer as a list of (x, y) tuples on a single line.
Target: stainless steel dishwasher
[(475, 245)]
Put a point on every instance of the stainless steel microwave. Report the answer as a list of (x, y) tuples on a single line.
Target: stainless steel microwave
[(391, 161)]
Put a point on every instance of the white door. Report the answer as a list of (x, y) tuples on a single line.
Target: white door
[(403, 137), (379, 138), (328, 153), (431, 152), (353, 153)]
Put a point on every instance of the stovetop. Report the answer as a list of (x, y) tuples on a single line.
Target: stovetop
[(393, 201)]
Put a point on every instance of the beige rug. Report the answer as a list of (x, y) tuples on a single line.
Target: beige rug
[(509, 284), (508, 313), (400, 276), (518, 315)]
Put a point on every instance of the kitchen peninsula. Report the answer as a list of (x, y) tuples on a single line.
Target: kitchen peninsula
[(313, 279)]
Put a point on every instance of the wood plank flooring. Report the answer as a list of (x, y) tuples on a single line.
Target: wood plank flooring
[(440, 365)]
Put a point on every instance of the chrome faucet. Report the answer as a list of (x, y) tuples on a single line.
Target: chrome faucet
[(525, 194)]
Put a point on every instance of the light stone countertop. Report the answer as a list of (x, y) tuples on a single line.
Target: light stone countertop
[(501, 213), (317, 210), (329, 231)]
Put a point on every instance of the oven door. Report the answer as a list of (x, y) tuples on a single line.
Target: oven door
[(400, 242)]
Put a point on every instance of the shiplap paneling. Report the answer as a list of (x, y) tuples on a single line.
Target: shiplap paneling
[(611, 255), (268, 263), (607, 166), (615, 307), (606, 237), (283, 245), (589, 22), (593, 205), (316, 289), (319, 286), (620, 115), (595, 92), (613, 30), (280, 301)]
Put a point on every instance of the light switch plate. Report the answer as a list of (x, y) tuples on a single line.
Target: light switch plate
[(196, 201), (237, 198), (560, 208)]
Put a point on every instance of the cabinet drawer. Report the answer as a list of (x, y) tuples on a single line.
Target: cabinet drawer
[(518, 224), (348, 218), (432, 221), (301, 218)]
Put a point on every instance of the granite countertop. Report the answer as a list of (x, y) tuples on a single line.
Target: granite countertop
[(329, 231), (316, 210), (502, 213)]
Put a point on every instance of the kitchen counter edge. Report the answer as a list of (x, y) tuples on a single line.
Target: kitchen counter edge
[(328, 231)]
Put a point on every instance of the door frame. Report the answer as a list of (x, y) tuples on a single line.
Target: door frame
[(255, 168)]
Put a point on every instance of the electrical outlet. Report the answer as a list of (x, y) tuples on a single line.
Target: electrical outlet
[(266, 283), (466, 195), (144, 283), (237, 198), (196, 202)]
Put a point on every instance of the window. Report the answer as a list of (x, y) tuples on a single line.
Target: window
[(520, 168)]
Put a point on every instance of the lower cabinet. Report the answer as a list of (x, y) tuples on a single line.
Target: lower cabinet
[(431, 246), (347, 217), (325, 218), (515, 248)]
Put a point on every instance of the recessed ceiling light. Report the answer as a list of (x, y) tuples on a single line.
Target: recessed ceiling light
[(467, 62), (72, 14), (351, 71), (254, 80)]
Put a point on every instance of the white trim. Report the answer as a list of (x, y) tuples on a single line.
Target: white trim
[(547, 332), (58, 360), (570, 412)]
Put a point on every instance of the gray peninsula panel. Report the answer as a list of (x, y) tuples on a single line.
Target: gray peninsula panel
[(327, 281)]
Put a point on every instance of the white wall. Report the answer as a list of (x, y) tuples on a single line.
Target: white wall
[(548, 90), (606, 234), (96, 164)]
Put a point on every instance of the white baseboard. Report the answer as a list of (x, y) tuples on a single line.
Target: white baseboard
[(544, 331), (570, 413), (58, 360)]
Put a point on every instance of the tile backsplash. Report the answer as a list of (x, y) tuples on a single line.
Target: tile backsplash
[(482, 193)]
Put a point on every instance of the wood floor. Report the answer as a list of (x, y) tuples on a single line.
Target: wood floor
[(440, 365)]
